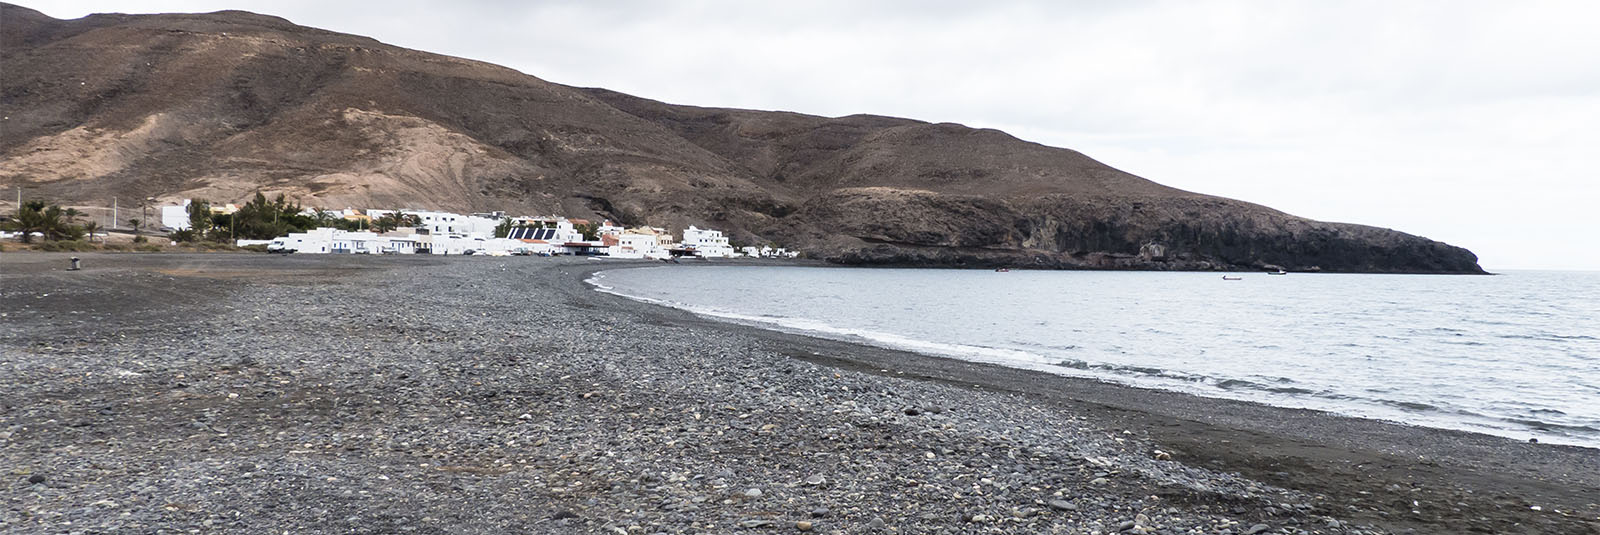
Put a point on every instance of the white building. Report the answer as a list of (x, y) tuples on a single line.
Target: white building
[(707, 243), (334, 241), (448, 224), (767, 252), (633, 245), (175, 217)]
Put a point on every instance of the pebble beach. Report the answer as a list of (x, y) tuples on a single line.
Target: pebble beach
[(239, 393)]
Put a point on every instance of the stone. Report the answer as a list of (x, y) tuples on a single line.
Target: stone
[(815, 479), (820, 512), (36, 479), (752, 493), (876, 523), (1125, 525), (802, 525), (1258, 528), (912, 411), (1063, 505), (755, 523), (563, 515)]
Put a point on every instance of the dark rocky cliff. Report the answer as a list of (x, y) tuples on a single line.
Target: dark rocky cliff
[(218, 105)]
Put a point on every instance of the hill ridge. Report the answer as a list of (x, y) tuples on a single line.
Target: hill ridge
[(219, 105)]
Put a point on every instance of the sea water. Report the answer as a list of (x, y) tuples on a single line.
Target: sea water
[(1515, 354)]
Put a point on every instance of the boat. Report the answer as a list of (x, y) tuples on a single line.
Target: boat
[(1228, 278), (1280, 271), (1002, 270)]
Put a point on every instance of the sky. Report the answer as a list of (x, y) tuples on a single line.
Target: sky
[(1472, 123)]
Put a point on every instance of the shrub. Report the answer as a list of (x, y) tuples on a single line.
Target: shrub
[(139, 239), (65, 246)]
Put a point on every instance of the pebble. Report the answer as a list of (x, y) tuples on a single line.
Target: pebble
[(1063, 505), (673, 440), (1258, 528)]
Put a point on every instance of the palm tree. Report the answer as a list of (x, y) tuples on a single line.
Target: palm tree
[(50, 221), (30, 219), (90, 228)]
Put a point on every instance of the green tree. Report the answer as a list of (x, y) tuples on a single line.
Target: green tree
[(90, 228), (323, 218), (50, 221), (394, 220), (590, 231), (200, 221)]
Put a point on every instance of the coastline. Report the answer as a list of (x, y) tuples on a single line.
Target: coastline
[(1357, 459), (375, 394)]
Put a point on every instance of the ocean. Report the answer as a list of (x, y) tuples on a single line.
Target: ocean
[(1515, 354)]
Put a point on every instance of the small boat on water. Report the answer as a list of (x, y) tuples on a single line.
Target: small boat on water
[(1280, 271), (1002, 270), (1231, 278)]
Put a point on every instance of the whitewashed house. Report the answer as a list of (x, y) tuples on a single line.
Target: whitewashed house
[(633, 245), (175, 217), (448, 224), (767, 252), (314, 241), (334, 241), (707, 243)]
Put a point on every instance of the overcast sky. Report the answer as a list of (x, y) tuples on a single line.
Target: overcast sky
[(1474, 123)]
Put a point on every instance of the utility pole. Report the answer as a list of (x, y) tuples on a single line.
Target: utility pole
[(113, 214)]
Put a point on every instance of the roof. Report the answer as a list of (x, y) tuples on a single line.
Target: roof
[(528, 233)]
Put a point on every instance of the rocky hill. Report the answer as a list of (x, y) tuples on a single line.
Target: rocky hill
[(219, 105)]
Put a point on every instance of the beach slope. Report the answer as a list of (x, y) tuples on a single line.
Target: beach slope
[(254, 394)]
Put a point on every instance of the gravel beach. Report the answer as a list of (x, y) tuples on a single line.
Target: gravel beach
[(208, 393)]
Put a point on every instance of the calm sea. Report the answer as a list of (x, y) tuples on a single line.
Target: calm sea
[(1516, 354)]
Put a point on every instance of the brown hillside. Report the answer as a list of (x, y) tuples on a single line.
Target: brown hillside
[(219, 105)]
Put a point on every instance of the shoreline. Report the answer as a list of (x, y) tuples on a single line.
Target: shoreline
[(255, 393), (1251, 438), (747, 321)]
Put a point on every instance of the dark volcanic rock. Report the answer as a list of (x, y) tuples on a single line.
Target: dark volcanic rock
[(223, 104)]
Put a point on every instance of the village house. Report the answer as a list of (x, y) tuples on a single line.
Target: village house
[(176, 217), (632, 245), (706, 243)]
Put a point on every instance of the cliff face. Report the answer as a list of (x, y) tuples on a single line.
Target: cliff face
[(218, 105)]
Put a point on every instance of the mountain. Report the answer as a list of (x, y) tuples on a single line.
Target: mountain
[(219, 105)]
